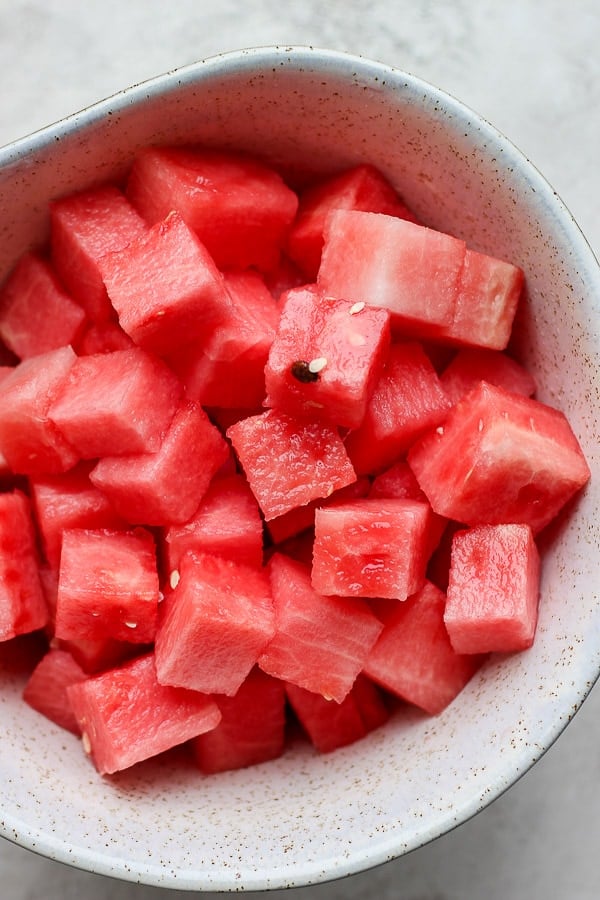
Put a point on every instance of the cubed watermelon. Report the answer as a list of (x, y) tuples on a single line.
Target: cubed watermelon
[(289, 462), (84, 227), (413, 657), (473, 364), (251, 730), (111, 404), (108, 586), (240, 208), (125, 715), (320, 643), (214, 625), (500, 458), (327, 357), (493, 589), (371, 548), (166, 486), (46, 688), (36, 313), (22, 602)]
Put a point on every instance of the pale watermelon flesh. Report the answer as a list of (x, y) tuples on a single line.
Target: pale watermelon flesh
[(264, 460)]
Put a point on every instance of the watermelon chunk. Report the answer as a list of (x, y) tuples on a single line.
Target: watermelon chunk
[(126, 716), (302, 517), (493, 589), (363, 187), (108, 586), (214, 625), (413, 657), (166, 486), (320, 643), (46, 688), (407, 268), (407, 400), (103, 408), (500, 458), (22, 603), (29, 440), (251, 730), (227, 523), (289, 462), (84, 227), (371, 548), (473, 364), (240, 208), (36, 314), (326, 357), (164, 285)]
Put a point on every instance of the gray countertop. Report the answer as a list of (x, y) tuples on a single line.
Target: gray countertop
[(531, 68)]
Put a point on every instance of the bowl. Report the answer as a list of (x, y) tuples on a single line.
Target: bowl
[(307, 818)]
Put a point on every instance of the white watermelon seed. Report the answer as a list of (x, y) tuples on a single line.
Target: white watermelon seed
[(317, 365), (131, 624), (174, 578), (357, 307), (87, 744)]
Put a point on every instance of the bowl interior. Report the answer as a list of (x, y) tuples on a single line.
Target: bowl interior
[(306, 818)]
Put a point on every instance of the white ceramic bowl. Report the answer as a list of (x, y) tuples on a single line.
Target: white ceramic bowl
[(305, 818)]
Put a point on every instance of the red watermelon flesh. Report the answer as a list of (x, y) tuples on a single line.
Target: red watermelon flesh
[(493, 589), (227, 523), (84, 228), (29, 441), (165, 287), (240, 208), (303, 517), (166, 486), (102, 337), (22, 602), (500, 458), (251, 730), (289, 462), (108, 586), (320, 643), (414, 658), (103, 408), (36, 314), (371, 548), (327, 357), (407, 400), (214, 625), (362, 187), (46, 688), (473, 364), (98, 654), (126, 716)]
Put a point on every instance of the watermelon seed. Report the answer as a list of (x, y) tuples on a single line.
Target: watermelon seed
[(87, 744), (317, 365), (174, 579), (131, 624), (356, 307), (301, 372)]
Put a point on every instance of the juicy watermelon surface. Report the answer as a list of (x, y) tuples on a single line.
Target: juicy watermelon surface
[(267, 467)]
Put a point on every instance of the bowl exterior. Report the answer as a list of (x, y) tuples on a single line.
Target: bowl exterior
[(307, 818)]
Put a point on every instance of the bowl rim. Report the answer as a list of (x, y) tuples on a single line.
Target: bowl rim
[(322, 59)]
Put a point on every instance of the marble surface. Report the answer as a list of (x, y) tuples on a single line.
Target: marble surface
[(533, 70)]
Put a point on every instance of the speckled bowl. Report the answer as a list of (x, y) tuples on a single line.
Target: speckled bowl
[(305, 818)]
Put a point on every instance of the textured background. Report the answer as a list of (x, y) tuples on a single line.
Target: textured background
[(531, 68)]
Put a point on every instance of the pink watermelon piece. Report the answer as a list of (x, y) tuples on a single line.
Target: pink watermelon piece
[(108, 586), (407, 268), (46, 688), (251, 730), (161, 304), (227, 523), (327, 357), (471, 365), (493, 589), (84, 227), (125, 715), (500, 458), (320, 643), (36, 313), (413, 657), (214, 625), (240, 208), (332, 725), (166, 486), (407, 400), (362, 187), (371, 548), (288, 461), (29, 441), (102, 407), (22, 603)]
